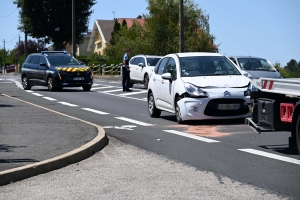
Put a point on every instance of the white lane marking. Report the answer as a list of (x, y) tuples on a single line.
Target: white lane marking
[(124, 127), (6, 82), (67, 104), (104, 87), (49, 98), (270, 155), (112, 91), (122, 96), (37, 94), (203, 139), (95, 84), (29, 91), (132, 93), (95, 111), (145, 99), (134, 121)]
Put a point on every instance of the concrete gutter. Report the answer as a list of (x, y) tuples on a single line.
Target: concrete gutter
[(74, 156)]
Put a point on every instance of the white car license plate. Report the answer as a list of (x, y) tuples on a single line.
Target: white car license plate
[(78, 78), (228, 106)]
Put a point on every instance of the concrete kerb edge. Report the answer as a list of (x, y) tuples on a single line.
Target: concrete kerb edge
[(79, 154)]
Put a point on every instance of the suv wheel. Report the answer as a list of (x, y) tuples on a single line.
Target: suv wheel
[(86, 87), (153, 111), (146, 81), (25, 83), (50, 84)]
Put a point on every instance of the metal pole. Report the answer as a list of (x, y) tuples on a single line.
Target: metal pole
[(19, 52), (25, 46), (4, 67), (73, 30), (181, 26)]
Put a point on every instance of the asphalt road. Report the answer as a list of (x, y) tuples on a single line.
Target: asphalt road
[(155, 162)]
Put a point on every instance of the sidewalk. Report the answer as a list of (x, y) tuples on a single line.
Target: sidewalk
[(36, 140)]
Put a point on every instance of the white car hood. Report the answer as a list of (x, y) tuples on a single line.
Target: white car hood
[(218, 81)]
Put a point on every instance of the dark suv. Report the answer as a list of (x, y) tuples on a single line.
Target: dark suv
[(55, 69)]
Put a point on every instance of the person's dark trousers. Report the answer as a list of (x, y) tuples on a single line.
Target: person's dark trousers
[(125, 79)]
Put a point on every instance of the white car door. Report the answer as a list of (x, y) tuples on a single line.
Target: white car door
[(167, 86), (141, 68), (157, 82), (133, 64)]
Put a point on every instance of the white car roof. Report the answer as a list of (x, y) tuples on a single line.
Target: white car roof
[(189, 54)]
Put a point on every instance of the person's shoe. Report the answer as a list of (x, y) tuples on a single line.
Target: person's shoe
[(128, 90)]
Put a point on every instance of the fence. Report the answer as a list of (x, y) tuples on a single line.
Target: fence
[(110, 70)]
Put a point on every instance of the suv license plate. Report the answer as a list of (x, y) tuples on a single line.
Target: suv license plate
[(78, 78), (228, 106)]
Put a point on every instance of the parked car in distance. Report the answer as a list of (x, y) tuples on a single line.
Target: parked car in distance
[(255, 68), (141, 67), (197, 86), (10, 68), (56, 70)]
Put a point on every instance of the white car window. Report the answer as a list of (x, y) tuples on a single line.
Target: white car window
[(206, 66), (161, 66), (171, 68)]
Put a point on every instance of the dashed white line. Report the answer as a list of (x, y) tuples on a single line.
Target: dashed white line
[(29, 91), (132, 93), (67, 104), (203, 139), (270, 155), (49, 98), (37, 94), (95, 111), (104, 87), (112, 91), (134, 121)]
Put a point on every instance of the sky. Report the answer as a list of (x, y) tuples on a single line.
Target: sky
[(264, 28)]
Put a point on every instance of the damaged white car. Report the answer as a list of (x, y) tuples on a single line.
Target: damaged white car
[(197, 86)]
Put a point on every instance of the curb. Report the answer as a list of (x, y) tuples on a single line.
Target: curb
[(74, 156), (79, 154)]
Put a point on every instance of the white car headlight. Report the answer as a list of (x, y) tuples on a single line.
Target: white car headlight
[(250, 88), (194, 91), (249, 75)]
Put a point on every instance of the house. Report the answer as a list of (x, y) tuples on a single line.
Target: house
[(101, 33)]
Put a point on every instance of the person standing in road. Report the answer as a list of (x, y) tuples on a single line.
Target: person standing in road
[(126, 72)]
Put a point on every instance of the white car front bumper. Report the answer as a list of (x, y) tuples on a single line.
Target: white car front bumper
[(194, 109)]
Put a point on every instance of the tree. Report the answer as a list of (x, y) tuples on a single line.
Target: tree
[(51, 21), (117, 28), (162, 26), (292, 66)]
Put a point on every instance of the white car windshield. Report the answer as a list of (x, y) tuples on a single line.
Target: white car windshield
[(255, 64), (206, 66)]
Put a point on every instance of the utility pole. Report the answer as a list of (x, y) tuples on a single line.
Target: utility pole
[(73, 30), (4, 67), (19, 55), (25, 45), (181, 27)]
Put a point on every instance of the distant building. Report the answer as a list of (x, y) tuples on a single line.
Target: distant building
[(96, 40), (101, 33)]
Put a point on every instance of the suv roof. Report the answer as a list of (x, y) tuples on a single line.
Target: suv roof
[(47, 53)]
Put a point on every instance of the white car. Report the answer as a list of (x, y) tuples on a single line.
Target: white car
[(141, 67), (255, 68), (197, 86)]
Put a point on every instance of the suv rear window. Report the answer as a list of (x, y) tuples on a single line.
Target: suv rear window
[(152, 61)]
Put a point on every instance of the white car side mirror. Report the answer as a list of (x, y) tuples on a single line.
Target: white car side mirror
[(166, 76)]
